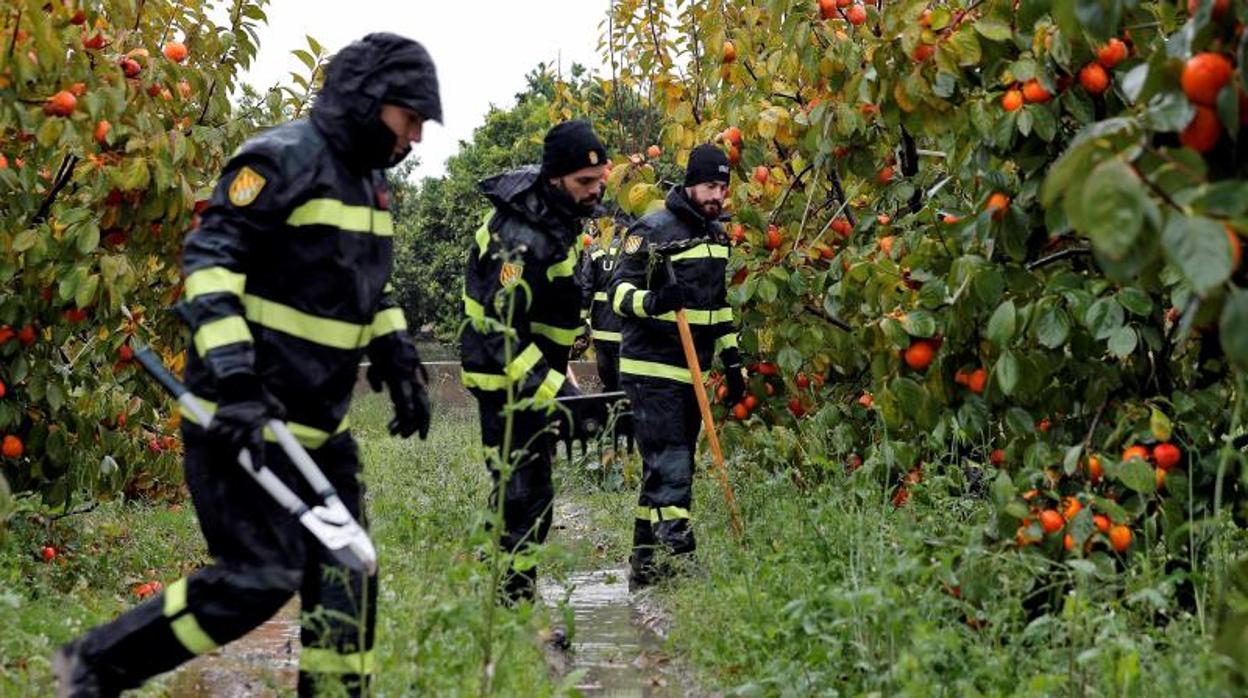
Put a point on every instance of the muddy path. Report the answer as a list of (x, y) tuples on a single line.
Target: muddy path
[(263, 663), (618, 636)]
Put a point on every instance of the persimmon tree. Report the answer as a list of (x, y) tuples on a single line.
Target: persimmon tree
[(115, 118), (988, 232)]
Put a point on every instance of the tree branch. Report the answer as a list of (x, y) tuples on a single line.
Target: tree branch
[(63, 175), (787, 191), (1058, 256), (910, 167), (17, 22), (839, 324)]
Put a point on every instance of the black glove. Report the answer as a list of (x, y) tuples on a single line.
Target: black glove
[(664, 300), (411, 402), (581, 344), (243, 408)]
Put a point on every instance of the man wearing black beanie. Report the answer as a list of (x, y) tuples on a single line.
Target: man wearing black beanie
[(523, 307), (653, 370)]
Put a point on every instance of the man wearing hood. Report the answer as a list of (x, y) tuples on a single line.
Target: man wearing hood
[(287, 289), (523, 307), (653, 370)]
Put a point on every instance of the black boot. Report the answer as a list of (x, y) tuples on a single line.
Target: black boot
[(642, 570)]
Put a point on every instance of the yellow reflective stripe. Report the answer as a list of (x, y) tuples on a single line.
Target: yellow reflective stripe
[(550, 387), (700, 317), (387, 321), (639, 303), (703, 252), (522, 364), (357, 219), (483, 381), (728, 340), (565, 268), (214, 280), (604, 336), (558, 335), (175, 598), (318, 660), (618, 301), (600, 296), (388, 288), (283, 318), (186, 628), (657, 514), (655, 370), (218, 333), (585, 314), (483, 238), (595, 254), (310, 437)]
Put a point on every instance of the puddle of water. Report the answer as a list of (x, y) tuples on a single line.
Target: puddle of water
[(621, 658), (262, 663)]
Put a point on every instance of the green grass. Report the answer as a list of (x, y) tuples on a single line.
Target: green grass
[(831, 592)]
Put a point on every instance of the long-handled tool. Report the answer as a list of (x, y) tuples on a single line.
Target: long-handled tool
[(330, 522), (704, 405)]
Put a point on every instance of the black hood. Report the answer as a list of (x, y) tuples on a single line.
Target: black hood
[(524, 192), (378, 69)]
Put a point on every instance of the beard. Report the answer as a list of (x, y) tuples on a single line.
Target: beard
[(710, 209)]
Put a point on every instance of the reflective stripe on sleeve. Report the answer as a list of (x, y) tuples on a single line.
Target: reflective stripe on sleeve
[(214, 280), (357, 219), (231, 329)]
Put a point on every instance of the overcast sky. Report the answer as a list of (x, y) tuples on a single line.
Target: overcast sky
[(482, 49)]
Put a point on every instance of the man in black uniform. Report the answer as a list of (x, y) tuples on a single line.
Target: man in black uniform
[(523, 309), (653, 369), (604, 325), (287, 288)]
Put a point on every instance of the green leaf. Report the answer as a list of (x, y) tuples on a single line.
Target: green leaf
[(1104, 318), (25, 240), (1112, 209), (1198, 247), (87, 237), (994, 30), (1160, 425), (85, 293), (790, 360), (1002, 324), (1052, 327), (1138, 475), (1003, 489), (1099, 18), (1135, 300), (966, 45), (1123, 341), (767, 291), (1007, 371), (305, 57), (919, 323), (1234, 328)]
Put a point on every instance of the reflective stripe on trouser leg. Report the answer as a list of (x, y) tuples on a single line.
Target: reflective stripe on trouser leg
[(530, 491), (339, 605), (666, 420)]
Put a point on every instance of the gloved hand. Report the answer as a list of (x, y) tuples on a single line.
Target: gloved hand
[(733, 378), (666, 299), (581, 344), (243, 408), (412, 412)]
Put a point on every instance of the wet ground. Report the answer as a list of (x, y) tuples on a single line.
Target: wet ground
[(265, 662), (620, 656)]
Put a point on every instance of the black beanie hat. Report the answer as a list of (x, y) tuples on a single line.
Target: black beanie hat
[(570, 146), (706, 164)]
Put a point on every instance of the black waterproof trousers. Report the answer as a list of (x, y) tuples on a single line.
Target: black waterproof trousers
[(608, 357), (529, 493), (262, 557), (666, 421)]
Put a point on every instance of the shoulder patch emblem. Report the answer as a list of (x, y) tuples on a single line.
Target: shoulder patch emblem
[(632, 244), (510, 273), (246, 187)]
